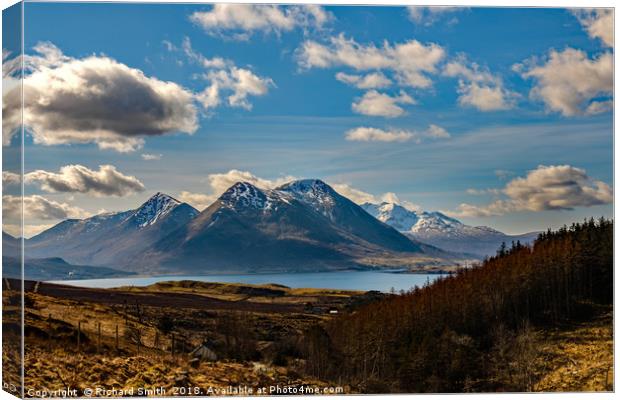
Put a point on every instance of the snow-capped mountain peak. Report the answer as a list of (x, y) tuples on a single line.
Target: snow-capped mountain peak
[(314, 192), (244, 195), (416, 222), (154, 209), (392, 214)]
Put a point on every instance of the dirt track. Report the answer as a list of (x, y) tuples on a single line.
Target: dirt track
[(155, 299)]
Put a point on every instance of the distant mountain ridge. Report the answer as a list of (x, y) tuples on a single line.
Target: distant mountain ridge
[(55, 268), (107, 238), (303, 225), (447, 233)]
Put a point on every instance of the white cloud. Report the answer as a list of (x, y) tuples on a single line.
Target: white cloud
[(556, 187), (382, 105), (10, 65), (215, 62), (355, 195), (560, 187), (95, 100), (227, 79), (391, 197), (240, 21), (570, 82), (478, 87), (427, 16), (11, 83), (10, 178), (39, 208), (410, 62), (374, 80), (242, 82), (369, 134), (484, 98), (438, 132), (360, 197), (197, 200), (107, 181), (151, 157), (599, 23)]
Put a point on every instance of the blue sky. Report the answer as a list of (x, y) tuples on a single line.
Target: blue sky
[(497, 113)]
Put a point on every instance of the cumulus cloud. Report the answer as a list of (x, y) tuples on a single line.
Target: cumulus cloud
[(10, 178), (186, 46), (560, 187), (197, 200), (482, 97), (556, 187), (369, 134), (240, 21), (382, 105), (374, 80), (95, 100), (427, 16), (11, 87), (107, 181), (11, 65), (355, 195), (392, 198), (39, 208), (242, 82), (478, 87), (410, 62), (360, 197), (599, 23), (227, 80), (436, 131), (570, 82), (151, 157)]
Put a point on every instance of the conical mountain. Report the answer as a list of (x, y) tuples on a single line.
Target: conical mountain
[(301, 226)]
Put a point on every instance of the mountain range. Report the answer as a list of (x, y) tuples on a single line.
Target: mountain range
[(447, 233), (300, 226)]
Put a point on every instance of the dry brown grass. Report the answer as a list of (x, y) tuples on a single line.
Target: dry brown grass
[(577, 359)]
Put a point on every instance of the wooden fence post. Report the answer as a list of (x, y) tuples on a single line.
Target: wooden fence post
[(98, 336), (79, 334), (49, 332)]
